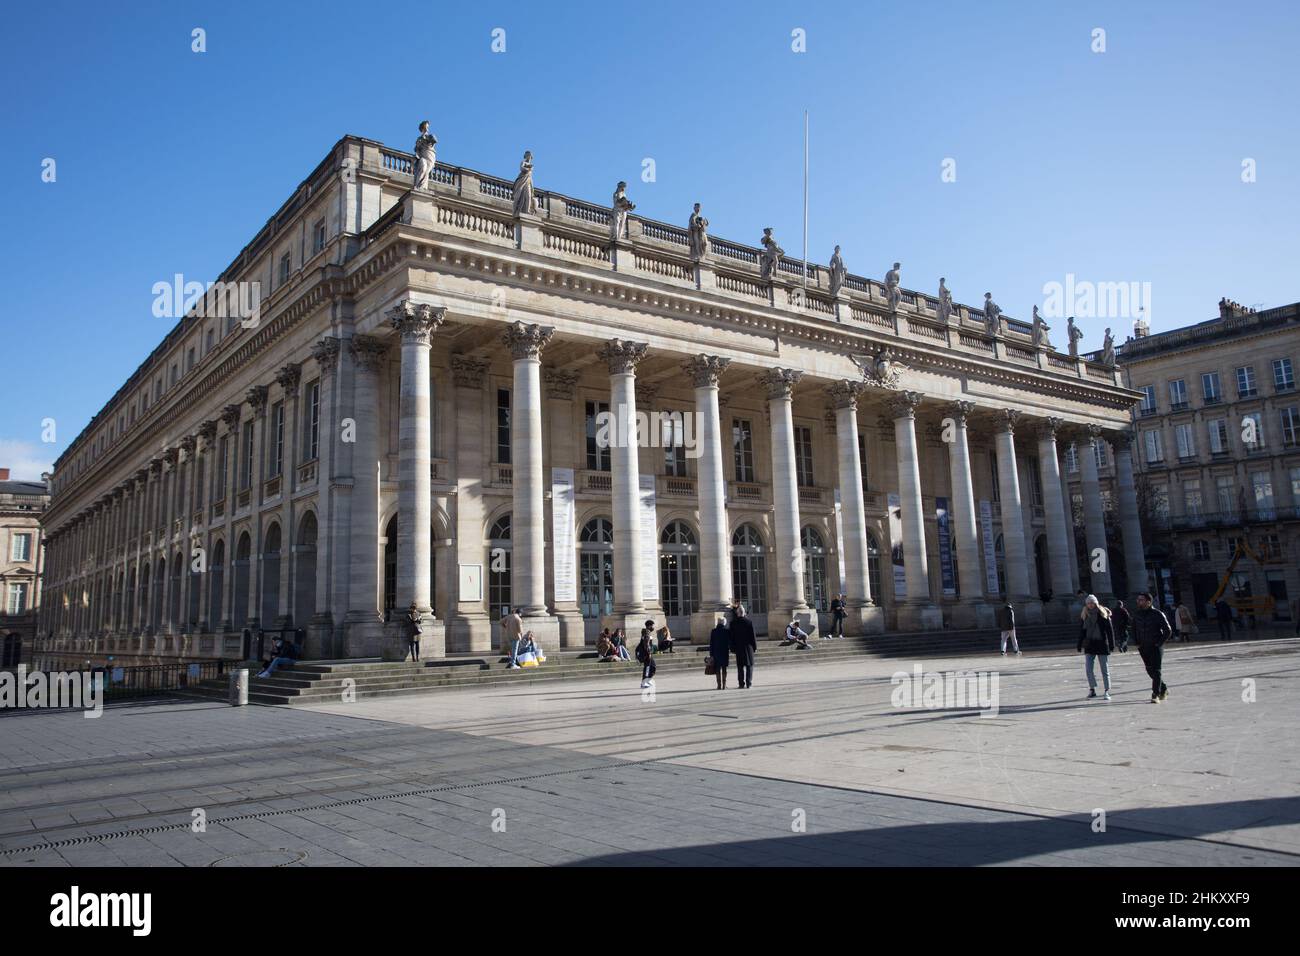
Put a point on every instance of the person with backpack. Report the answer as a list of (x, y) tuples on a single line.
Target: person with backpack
[(1120, 619), (1007, 625), (646, 655), (1151, 630), (1096, 641)]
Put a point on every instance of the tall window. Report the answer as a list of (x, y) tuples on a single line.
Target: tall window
[(1218, 429), (993, 477), (873, 570), (1071, 460), (1225, 491), (814, 568), (1295, 486), (1211, 388), (1099, 450), (1290, 418), (742, 443), (1200, 550), (679, 570), (499, 551), (803, 457), (21, 549), (313, 420), (246, 462), (673, 438), (318, 240), (749, 569), (223, 465), (1148, 404), (1252, 427), (286, 267), (503, 425), (598, 450), (1186, 439), (1035, 482), (1177, 395), (1155, 453), (596, 567), (862, 460), (1246, 381), (1261, 483), (277, 438), (1283, 377), (17, 600), (1192, 497)]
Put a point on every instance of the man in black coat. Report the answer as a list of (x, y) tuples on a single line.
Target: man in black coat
[(743, 646), (839, 610), (720, 651), (1223, 614), (1151, 630)]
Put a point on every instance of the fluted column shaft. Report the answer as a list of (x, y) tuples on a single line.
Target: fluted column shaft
[(1094, 520), (790, 598), (915, 562), (1059, 542), (857, 580), (1135, 565), (715, 557), (629, 578), (969, 560), (1013, 516)]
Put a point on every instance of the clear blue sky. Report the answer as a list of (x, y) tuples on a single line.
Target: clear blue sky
[(1123, 166)]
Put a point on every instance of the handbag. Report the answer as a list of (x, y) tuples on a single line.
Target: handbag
[(710, 666)]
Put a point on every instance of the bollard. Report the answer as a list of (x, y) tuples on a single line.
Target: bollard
[(239, 687)]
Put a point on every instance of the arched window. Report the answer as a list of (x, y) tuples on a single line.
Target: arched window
[(873, 570), (216, 579), (596, 568), (749, 569), (269, 579), (499, 549), (814, 568), (679, 570), (304, 571)]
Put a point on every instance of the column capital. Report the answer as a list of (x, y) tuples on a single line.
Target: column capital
[(256, 398), (526, 341), (960, 411), (326, 353), (622, 355), (1048, 428), (903, 405), (188, 444), (705, 370), (170, 457), (1091, 432), (780, 382), (155, 466), (1121, 439), (368, 352), (416, 323), (468, 372), (289, 376), (208, 433), (559, 384), (231, 415), (1006, 419), (844, 394), (141, 476)]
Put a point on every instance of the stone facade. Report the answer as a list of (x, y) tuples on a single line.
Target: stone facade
[(414, 416), (1207, 389), (22, 555)]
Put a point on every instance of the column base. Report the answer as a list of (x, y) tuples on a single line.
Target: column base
[(702, 625), (864, 620), (363, 638), (546, 631), (470, 633), (1028, 611), (919, 617), (970, 615), (572, 628), (1059, 612), (631, 622), (780, 617), (433, 640)]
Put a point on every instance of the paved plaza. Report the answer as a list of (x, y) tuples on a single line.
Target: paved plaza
[(812, 766)]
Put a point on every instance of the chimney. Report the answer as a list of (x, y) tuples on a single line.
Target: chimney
[(4, 474)]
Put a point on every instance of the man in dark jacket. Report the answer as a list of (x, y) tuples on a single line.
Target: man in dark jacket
[(743, 646), (1120, 619), (1223, 614), (1151, 630), (839, 612), (1007, 625), (719, 650)]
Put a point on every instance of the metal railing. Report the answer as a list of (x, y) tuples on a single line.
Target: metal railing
[(137, 680)]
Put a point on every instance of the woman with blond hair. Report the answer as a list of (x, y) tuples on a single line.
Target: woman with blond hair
[(1096, 641)]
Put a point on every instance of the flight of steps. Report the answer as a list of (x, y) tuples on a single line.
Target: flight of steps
[(323, 681)]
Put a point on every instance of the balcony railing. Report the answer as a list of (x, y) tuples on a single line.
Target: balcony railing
[(1229, 519)]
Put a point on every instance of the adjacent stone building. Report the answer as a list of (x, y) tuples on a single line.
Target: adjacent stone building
[(1218, 446), (417, 413), (22, 552)]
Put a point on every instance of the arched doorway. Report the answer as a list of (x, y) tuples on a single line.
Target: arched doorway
[(269, 608), (216, 577), (239, 604), (595, 574), (498, 562), (391, 562), (304, 571), (749, 573), (174, 610), (146, 594), (1043, 568), (679, 574), (814, 568)]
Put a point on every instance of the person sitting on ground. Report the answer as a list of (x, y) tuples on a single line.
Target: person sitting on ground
[(794, 634), (277, 645), (604, 646), (525, 645), (665, 640), (619, 640), (288, 653)]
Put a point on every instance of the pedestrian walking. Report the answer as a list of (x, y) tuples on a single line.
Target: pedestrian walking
[(1223, 615), (743, 645), (1151, 630), (512, 628), (838, 613), (645, 654), (1186, 622), (414, 628), (719, 651), (1120, 620), (1007, 625), (1096, 641)]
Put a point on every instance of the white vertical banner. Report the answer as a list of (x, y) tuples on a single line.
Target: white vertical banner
[(839, 539), (896, 544), (990, 559), (562, 543), (649, 541)]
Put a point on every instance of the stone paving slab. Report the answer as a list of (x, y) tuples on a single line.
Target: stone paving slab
[(813, 766)]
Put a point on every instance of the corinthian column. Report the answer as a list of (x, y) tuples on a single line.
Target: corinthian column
[(365, 633), (704, 372), (416, 325), (629, 583), (1060, 538), (1094, 522), (972, 610), (863, 616), (1029, 609), (790, 601), (528, 556), (1135, 563), (917, 612)]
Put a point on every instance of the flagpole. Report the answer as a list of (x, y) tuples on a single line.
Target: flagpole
[(805, 199)]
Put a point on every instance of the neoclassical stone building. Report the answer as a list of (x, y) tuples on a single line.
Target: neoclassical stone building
[(417, 413)]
